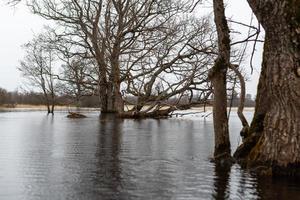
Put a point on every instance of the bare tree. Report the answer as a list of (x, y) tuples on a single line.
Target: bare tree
[(174, 64), (73, 78), (217, 76), (106, 28), (37, 68)]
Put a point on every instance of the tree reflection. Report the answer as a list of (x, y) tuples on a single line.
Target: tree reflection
[(109, 171), (278, 188), (221, 181)]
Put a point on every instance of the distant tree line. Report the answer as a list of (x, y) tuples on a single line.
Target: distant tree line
[(12, 99)]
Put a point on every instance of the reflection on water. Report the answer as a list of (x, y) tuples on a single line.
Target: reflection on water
[(52, 157), (221, 182)]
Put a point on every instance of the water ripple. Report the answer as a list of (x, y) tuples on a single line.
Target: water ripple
[(45, 157)]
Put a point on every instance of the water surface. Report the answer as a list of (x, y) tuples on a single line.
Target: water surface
[(53, 157)]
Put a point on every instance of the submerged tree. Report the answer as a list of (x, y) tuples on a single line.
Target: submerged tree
[(273, 139), (217, 76), (107, 29), (37, 67), (174, 65)]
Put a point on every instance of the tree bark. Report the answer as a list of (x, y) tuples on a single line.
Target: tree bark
[(274, 135), (102, 82), (115, 103), (115, 100), (217, 76), (103, 92), (242, 99)]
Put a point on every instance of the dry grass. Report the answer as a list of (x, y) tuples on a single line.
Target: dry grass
[(25, 107)]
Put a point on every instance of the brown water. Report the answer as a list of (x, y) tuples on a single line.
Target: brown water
[(45, 157)]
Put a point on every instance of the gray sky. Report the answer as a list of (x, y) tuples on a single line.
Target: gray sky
[(18, 25)]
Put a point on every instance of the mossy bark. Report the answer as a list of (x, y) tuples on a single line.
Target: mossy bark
[(273, 140)]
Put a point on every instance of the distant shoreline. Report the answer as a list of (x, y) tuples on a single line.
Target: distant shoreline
[(24, 107)]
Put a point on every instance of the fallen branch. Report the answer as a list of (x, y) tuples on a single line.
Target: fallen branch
[(153, 114), (182, 114)]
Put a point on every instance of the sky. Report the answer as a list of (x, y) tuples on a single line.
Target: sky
[(18, 25)]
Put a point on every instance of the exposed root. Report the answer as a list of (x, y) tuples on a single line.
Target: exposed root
[(224, 159), (244, 149)]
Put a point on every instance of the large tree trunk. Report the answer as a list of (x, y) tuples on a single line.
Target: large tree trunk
[(217, 76), (274, 136), (102, 82), (115, 101), (110, 95), (103, 91)]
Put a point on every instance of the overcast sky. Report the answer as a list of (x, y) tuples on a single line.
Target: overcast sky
[(18, 25)]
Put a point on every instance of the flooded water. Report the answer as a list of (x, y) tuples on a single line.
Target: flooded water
[(45, 157)]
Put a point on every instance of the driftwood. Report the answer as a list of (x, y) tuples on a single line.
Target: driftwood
[(74, 115)]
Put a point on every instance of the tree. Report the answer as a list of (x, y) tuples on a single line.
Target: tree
[(106, 29), (273, 138), (217, 76), (173, 64), (3, 96), (37, 68), (75, 79)]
